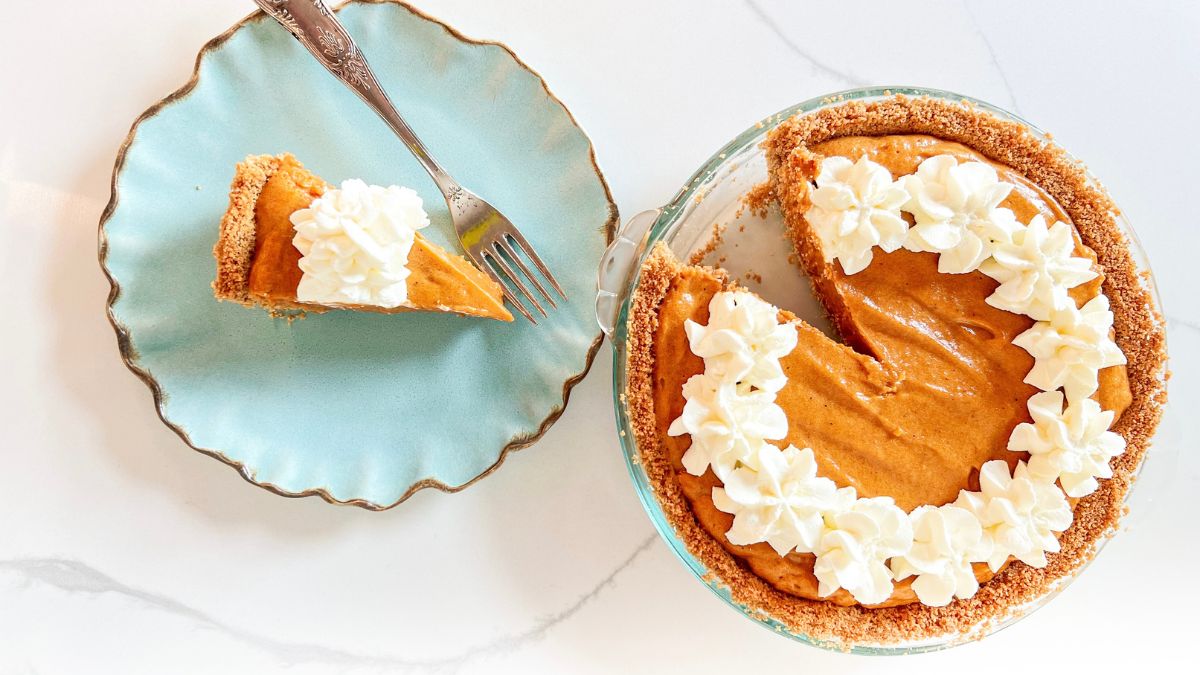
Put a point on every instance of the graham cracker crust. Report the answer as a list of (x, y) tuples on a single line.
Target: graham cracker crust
[(238, 236), (1139, 331), (234, 250)]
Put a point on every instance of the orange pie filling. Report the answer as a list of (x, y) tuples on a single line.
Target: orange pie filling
[(925, 389)]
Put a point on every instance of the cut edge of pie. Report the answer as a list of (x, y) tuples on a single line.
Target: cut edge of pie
[(1138, 326), (446, 282), (234, 250)]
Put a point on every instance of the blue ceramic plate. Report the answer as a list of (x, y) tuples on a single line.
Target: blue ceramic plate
[(357, 408)]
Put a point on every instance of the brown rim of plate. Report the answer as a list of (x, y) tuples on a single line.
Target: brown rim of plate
[(129, 355)]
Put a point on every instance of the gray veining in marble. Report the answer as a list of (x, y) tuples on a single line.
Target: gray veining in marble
[(1182, 323), (987, 43), (850, 79), (77, 577)]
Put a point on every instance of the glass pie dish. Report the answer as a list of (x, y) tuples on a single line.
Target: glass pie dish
[(708, 221)]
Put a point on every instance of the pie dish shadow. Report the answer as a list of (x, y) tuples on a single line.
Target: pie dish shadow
[(306, 419)]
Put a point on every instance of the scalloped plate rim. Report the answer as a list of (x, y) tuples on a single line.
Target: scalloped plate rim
[(131, 359)]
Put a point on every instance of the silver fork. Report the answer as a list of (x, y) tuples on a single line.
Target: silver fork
[(489, 239)]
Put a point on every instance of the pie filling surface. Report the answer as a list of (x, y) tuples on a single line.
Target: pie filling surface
[(925, 387)]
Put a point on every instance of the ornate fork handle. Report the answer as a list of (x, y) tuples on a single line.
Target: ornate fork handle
[(316, 27)]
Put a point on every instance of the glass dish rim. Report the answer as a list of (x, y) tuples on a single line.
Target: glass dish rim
[(672, 213)]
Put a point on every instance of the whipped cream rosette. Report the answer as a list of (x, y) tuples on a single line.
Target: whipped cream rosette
[(956, 211), (856, 207), (727, 426), (854, 550), (1071, 348), (946, 540), (743, 341), (783, 502), (1036, 269), (1072, 446), (1019, 514), (354, 242)]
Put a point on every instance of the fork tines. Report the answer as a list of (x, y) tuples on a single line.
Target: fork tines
[(508, 247)]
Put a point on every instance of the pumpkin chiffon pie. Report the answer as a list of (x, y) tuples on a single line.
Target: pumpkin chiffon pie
[(971, 437), (259, 263)]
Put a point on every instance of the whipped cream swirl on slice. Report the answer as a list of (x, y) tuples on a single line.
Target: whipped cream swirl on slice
[(1019, 514), (854, 550), (354, 242), (946, 539), (956, 212), (1071, 446), (1070, 349), (1036, 269), (743, 341), (727, 426), (855, 207), (783, 502)]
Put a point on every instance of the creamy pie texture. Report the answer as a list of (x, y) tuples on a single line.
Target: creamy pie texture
[(967, 222), (967, 412)]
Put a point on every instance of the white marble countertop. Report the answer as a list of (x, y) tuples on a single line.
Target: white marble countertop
[(121, 551)]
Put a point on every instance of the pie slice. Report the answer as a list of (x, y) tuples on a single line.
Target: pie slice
[(918, 399), (259, 266)]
